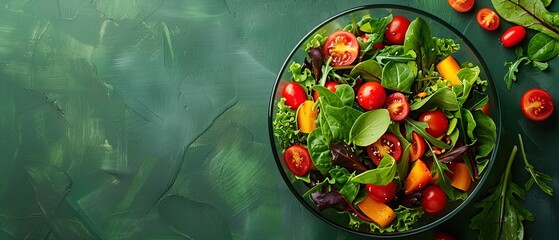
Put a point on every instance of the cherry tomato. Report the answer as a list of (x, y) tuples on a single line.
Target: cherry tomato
[(386, 144), (297, 159), (331, 85), (488, 19), (371, 95), (485, 108), (513, 36), (397, 105), (382, 193), (433, 199), (461, 5), (342, 46), (437, 122), (379, 45), (536, 104), (294, 95), (417, 148), (443, 236), (396, 30)]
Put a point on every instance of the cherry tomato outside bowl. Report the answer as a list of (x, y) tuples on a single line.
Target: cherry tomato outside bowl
[(342, 46), (461, 5), (536, 104), (488, 19), (513, 36)]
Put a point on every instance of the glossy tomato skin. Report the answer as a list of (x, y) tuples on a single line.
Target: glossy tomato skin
[(382, 193), (433, 199), (386, 144), (330, 85), (397, 105), (297, 159), (443, 236), (396, 30), (437, 122), (513, 36), (371, 95), (417, 148), (294, 95), (461, 5), (536, 104), (342, 46), (488, 19)]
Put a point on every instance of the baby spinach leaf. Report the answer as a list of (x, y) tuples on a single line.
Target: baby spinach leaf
[(470, 123), (546, 2), (419, 39), (542, 47), (369, 70), (336, 122), (382, 175), (486, 133), (319, 151), (369, 127), (328, 97), (529, 13), (342, 178), (346, 94), (477, 101), (443, 98), (397, 76)]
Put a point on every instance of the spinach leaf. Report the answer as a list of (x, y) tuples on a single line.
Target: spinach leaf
[(443, 98), (347, 188), (377, 26), (419, 39), (468, 77), (346, 94), (486, 133), (336, 122), (470, 123), (477, 101), (397, 76), (546, 2), (369, 70), (529, 13), (542, 47), (382, 175), (328, 97), (369, 127), (319, 151), (386, 57)]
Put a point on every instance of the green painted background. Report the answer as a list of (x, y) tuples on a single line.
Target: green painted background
[(146, 119)]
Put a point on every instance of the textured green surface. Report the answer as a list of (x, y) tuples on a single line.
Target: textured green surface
[(146, 119)]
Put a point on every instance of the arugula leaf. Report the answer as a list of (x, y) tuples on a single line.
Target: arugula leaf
[(419, 128), (510, 76), (381, 175), (536, 176), (443, 180)]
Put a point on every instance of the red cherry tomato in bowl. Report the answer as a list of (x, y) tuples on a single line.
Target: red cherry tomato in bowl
[(488, 19), (371, 95), (437, 122), (382, 193), (342, 46), (331, 85), (386, 144), (417, 148), (513, 36), (461, 5), (397, 105), (297, 159), (433, 199), (536, 104), (396, 30), (294, 95)]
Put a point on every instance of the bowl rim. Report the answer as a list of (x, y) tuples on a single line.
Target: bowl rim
[(496, 119)]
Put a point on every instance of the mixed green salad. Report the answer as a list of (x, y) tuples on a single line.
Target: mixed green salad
[(383, 124)]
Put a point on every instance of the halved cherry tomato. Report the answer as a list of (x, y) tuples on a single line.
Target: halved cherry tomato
[(536, 104), (433, 199), (417, 148), (461, 5), (371, 95), (386, 144), (330, 85), (396, 30), (437, 122), (397, 105), (342, 46), (297, 159), (383, 193), (488, 19), (294, 95), (513, 36)]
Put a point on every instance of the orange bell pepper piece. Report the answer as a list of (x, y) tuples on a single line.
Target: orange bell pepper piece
[(448, 68), (306, 116), (460, 176), (377, 211), (418, 177)]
